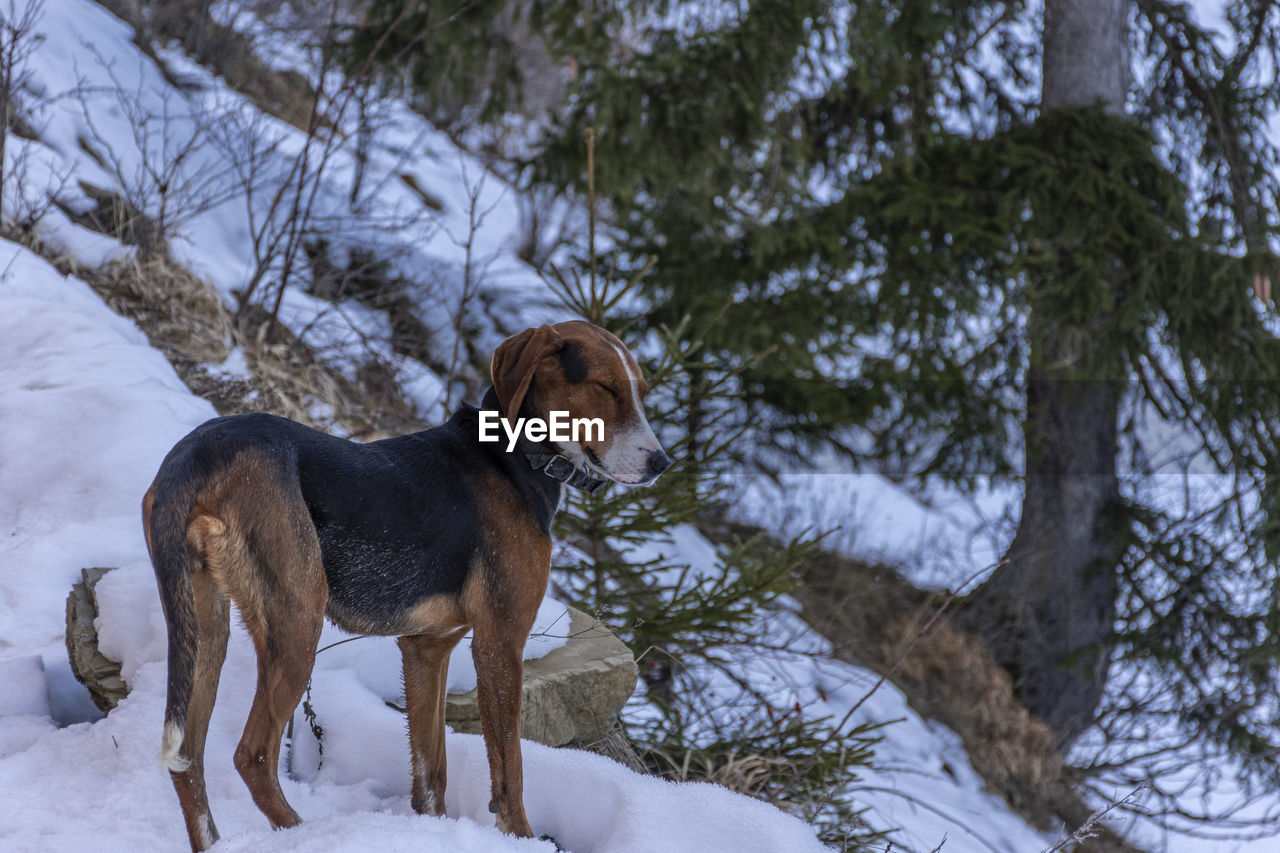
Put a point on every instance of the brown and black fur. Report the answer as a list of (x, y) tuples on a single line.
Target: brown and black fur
[(421, 536)]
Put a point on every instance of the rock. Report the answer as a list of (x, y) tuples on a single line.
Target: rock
[(571, 695), (92, 668)]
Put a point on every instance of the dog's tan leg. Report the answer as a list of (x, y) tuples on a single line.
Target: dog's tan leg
[(213, 614), (501, 601), (426, 675), (285, 656), (285, 622), (498, 651)]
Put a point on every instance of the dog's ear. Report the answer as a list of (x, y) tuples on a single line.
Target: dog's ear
[(515, 361)]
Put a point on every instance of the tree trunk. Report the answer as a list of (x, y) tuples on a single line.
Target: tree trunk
[(1048, 610)]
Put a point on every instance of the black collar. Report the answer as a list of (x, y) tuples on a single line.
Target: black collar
[(559, 468)]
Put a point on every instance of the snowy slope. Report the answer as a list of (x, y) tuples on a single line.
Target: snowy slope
[(109, 118), (78, 376), (920, 787)]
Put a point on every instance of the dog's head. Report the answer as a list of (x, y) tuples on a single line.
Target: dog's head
[(579, 368)]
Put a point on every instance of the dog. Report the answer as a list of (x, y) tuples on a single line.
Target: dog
[(422, 537)]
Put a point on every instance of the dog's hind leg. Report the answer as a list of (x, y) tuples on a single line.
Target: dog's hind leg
[(213, 614), (426, 676), (196, 611), (284, 612)]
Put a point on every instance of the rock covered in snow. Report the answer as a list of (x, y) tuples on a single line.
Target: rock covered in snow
[(97, 672), (572, 694)]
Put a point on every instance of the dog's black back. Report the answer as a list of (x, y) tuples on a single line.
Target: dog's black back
[(398, 520)]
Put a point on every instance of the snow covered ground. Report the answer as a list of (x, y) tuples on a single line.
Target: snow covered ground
[(88, 409)]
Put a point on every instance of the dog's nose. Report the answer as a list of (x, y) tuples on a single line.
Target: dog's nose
[(657, 462)]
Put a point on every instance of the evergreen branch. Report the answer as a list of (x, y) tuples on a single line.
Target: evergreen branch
[(1181, 38)]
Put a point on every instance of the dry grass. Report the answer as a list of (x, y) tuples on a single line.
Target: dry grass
[(114, 215), (952, 674), (184, 317), (749, 774), (872, 614), (287, 95), (181, 314), (615, 744), (27, 237), (295, 384)]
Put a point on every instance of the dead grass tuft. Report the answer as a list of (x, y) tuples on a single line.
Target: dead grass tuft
[(26, 236), (181, 314), (950, 672), (871, 613), (115, 216), (288, 95), (616, 744), (295, 384), (749, 774), (184, 317)]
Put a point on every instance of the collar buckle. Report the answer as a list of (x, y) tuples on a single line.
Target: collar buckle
[(559, 468), (562, 470)]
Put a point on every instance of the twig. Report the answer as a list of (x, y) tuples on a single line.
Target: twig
[(1086, 830), (591, 214)]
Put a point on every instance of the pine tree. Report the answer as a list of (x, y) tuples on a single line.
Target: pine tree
[(1048, 610)]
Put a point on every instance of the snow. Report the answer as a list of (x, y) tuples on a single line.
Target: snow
[(87, 409), (920, 787), (107, 117), (942, 539), (682, 544), (26, 692)]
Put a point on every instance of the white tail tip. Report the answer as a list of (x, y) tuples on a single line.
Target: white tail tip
[(169, 755)]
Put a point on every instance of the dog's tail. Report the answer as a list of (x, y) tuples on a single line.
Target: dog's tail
[(165, 512)]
